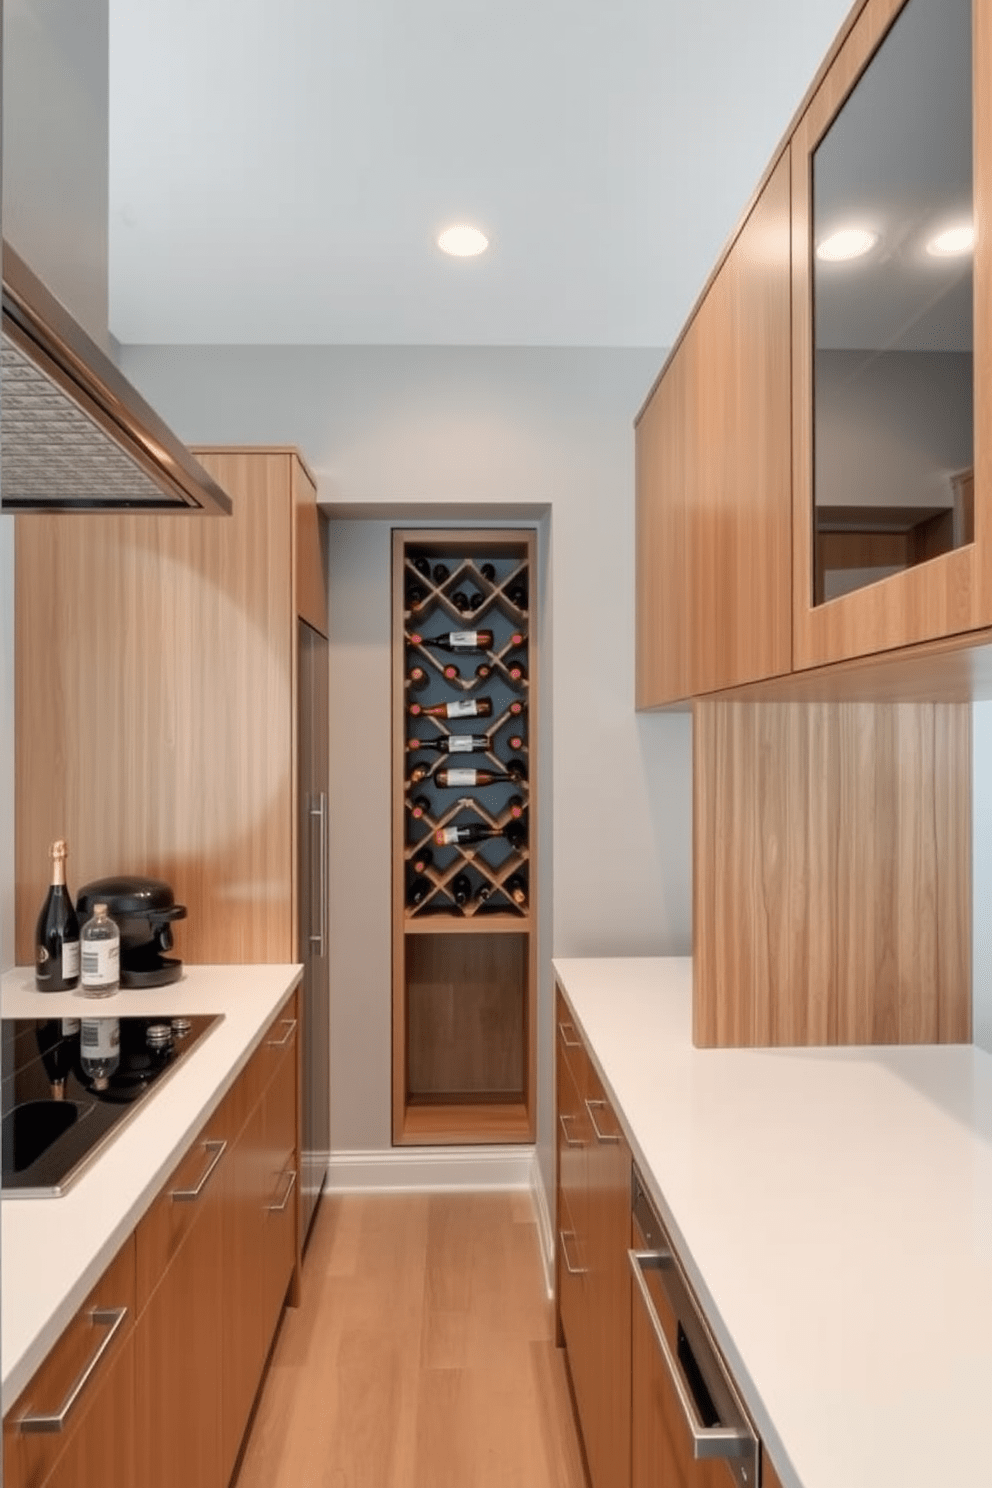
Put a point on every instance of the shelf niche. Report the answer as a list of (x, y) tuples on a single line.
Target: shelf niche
[(464, 958)]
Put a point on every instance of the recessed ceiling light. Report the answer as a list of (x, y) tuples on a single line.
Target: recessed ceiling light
[(463, 241), (850, 242), (952, 240)]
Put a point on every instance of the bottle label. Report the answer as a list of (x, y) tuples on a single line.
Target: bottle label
[(462, 777), (70, 1027), (461, 744), (100, 1038), (466, 708), (464, 640), (101, 963), (445, 836), (70, 958)]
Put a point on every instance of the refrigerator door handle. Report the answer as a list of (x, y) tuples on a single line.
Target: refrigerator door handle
[(320, 811)]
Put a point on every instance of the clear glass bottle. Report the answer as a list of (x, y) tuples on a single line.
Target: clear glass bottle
[(100, 954), (99, 1049)]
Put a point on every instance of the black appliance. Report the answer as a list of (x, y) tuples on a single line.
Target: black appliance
[(56, 1117), (144, 911)]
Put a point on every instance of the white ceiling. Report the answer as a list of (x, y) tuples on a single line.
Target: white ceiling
[(278, 173)]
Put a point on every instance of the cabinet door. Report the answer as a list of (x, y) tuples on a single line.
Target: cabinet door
[(608, 1225), (281, 1174), (88, 1380), (244, 1342), (571, 1259)]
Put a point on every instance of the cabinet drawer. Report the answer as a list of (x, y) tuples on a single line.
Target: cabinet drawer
[(568, 1042), (92, 1357)]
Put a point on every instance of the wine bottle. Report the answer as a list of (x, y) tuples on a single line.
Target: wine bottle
[(421, 860), (460, 600), (415, 596), (516, 835), (417, 678), (517, 595), (419, 807), (453, 744), (441, 572), (516, 888), (466, 834), (475, 601), (422, 566), (458, 640), (419, 772), (516, 669), (461, 888), (58, 1045), (417, 890), (488, 571), (452, 778), (56, 941), (100, 954), (516, 707), (462, 708), (516, 769), (515, 806), (450, 672), (483, 892), (484, 670), (515, 742)]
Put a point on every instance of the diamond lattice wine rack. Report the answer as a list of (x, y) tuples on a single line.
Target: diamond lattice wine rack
[(464, 868)]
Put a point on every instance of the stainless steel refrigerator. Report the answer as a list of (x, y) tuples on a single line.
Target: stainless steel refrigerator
[(313, 779)]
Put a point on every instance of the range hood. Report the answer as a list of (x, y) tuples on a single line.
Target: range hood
[(75, 435)]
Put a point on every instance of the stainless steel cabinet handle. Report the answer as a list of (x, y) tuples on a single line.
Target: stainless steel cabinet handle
[(110, 1318), (321, 812), (290, 1026), (564, 1117), (601, 1136), (572, 1270), (278, 1208), (707, 1441), (569, 1043), (188, 1195)]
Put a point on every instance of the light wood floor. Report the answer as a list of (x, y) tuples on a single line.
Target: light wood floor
[(422, 1356)]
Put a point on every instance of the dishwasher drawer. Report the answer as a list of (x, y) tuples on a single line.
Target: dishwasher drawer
[(689, 1424)]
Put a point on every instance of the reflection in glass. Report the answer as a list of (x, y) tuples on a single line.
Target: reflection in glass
[(892, 308)]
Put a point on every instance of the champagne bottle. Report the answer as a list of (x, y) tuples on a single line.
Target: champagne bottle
[(516, 669), (461, 888), (452, 779), (453, 744), (441, 572), (488, 571), (462, 708), (458, 640), (516, 888), (421, 860), (419, 807), (56, 942), (58, 1045), (466, 835), (417, 678), (417, 890)]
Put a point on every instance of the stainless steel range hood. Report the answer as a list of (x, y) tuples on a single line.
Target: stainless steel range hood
[(74, 434)]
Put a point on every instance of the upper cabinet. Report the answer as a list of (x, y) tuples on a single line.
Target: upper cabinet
[(890, 344), (814, 465), (714, 480)]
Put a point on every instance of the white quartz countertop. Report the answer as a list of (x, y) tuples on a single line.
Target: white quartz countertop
[(833, 1208), (54, 1250)]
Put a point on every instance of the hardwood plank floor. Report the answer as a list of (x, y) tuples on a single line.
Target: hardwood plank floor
[(422, 1355)]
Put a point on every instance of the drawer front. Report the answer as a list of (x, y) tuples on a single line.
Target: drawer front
[(90, 1364), (568, 1042)]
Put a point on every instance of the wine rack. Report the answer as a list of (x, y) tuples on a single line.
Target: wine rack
[(464, 861)]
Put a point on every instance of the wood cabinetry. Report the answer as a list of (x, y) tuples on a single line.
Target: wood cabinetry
[(592, 1275), (162, 739), (205, 1276), (712, 450), (464, 761), (74, 1424)]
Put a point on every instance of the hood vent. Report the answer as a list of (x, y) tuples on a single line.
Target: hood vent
[(76, 436)]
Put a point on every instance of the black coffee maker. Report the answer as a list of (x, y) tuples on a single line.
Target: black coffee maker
[(144, 911)]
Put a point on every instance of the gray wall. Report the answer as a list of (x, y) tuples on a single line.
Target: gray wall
[(412, 428), (6, 743)]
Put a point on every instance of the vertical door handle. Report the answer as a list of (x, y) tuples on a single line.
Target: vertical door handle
[(320, 812)]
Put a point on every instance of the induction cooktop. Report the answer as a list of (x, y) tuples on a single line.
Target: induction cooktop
[(70, 1084)]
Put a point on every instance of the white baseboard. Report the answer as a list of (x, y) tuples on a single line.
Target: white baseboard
[(545, 1226), (431, 1169)]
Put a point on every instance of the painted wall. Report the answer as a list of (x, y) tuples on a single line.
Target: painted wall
[(412, 428), (6, 743)]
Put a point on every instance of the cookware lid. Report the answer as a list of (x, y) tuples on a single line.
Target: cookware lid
[(131, 896)]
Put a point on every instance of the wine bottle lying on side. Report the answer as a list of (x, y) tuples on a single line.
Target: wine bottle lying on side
[(456, 640), (461, 708), (454, 778), (453, 744)]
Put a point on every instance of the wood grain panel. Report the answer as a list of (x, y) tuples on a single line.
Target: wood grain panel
[(662, 634), (154, 709), (309, 556), (949, 594), (738, 481), (831, 873), (466, 1015)]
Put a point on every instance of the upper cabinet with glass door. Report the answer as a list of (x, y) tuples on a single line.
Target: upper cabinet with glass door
[(892, 343)]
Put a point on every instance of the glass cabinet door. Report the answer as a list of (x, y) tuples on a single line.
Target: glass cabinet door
[(884, 316)]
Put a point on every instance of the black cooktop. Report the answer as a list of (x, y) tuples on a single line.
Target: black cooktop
[(63, 1100)]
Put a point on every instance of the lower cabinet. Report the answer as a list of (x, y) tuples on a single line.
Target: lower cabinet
[(155, 1378), (593, 1276)]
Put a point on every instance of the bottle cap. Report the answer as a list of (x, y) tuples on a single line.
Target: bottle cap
[(99, 909)]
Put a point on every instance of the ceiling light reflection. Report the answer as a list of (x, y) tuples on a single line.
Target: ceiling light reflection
[(850, 242), (463, 241)]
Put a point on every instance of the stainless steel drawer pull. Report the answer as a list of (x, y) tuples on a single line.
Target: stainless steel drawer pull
[(278, 1208), (572, 1270), (565, 1117), (601, 1136), (290, 1026), (321, 814), (730, 1442), (189, 1195), (110, 1318), (575, 1043)]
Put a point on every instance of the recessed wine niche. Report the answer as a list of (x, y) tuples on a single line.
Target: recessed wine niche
[(464, 812)]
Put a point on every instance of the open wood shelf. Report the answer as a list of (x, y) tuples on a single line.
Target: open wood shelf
[(463, 915)]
